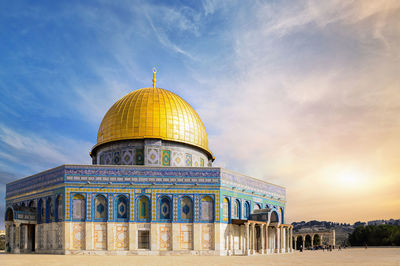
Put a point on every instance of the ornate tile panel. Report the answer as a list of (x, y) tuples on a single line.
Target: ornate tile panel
[(165, 236), (186, 236), (78, 236), (100, 236), (122, 237)]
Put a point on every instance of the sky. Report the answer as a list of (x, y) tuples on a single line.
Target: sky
[(303, 94)]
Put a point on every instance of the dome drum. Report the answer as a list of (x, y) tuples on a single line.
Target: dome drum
[(150, 152)]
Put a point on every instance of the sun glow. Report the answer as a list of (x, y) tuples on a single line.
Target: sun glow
[(345, 176), (350, 177)]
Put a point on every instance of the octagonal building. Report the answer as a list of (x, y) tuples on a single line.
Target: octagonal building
[(151, 190)]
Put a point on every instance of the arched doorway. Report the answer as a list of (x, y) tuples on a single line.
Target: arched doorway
[(299, 242), (9, 215), (317, 240), (307, 243)]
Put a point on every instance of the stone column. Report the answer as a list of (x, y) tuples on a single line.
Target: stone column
[(230, 239), (17, 237), (312, 241), (12, 237), (266, 239), (321, 239), (262, 238), (240, 238), (247, 244), (304, 242), (291, 239), (276, 239), (253, 230), (25, 232), (8, 233)]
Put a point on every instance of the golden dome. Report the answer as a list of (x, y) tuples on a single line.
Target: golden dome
[(153, 113)]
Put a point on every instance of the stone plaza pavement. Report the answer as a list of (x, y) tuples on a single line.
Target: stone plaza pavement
[(354, 256)]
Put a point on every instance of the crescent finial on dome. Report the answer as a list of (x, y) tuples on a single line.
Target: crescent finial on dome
[(154, 77)]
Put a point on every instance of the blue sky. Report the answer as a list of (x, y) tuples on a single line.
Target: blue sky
[(305, 94)]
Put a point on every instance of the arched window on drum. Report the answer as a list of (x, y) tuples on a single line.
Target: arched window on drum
[(78, 207), (186, 209), (207, 209), (122, 208), (143, 209), (100, 210)]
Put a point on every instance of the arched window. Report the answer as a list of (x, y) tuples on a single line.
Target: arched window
[(274, 217), (49, 210), (207, 209), (247, 210), (9, 215), (165, 208), (31, 204), (143, 208), (40, 211), (78, 207), (100, 204), (59, 209), (236, 209), (122, 207), (226, 210), (186, 207)]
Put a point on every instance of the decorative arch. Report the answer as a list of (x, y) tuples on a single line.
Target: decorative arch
[(282, 215), (59, 208), (247, 210), (122, 207), (31, 204), (207, 209), (226, 207), (78, 207), (143, 208), (236, 209), (40, 210), (186, 208), (100, 208), (274, 217), (9, 215), (165, 208), (257, 206), (49, 210), (307, 241)]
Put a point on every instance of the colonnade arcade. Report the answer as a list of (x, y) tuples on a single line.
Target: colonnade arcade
[(248, 237), (20, 229), (313, 238)]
